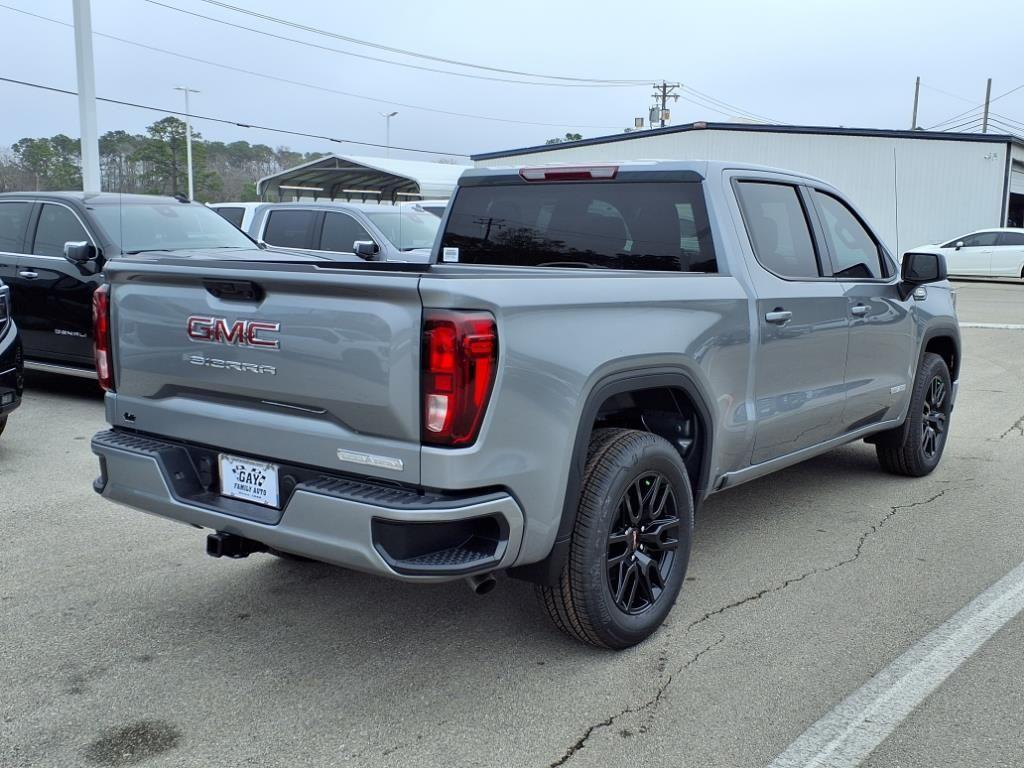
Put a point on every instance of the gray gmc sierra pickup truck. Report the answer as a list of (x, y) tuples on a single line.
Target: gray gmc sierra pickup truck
[(592, 352)]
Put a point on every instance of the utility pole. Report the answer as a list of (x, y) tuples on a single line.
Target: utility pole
[(86, 96), (662, 93), (988, 98), (917, 93), (387, 131), (188, 139)]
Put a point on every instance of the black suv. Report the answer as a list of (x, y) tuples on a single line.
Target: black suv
[(10, 359), (53, 246)]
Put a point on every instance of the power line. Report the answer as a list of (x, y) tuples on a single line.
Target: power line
[(735, 110), (225, 121), (309, 85), (406, 52), (386, 61), (979, 106)]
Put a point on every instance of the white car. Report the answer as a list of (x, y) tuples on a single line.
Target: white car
[(987, 253)]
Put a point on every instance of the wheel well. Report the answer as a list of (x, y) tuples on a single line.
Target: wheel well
[(668, 412), (945, 347)]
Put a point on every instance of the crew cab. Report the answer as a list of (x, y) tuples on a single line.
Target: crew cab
[(591, 353), (11, 380), (54, 247)]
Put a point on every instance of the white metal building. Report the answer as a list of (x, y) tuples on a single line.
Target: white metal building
[(914, 187), (367, 179)]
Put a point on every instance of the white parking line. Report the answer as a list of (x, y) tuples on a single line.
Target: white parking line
[(865, 718), (1001, 326)]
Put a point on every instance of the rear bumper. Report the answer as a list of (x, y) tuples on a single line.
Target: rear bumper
[(11, 371), (398, 532)]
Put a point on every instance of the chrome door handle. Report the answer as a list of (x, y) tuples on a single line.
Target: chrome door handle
[(778, 317), (860, 310), (29, 274)]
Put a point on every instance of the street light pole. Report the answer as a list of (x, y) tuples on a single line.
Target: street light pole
[(387, 131), (86, 97), (188, 139)]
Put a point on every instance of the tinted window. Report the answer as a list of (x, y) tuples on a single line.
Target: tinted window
[(778, 229), (1010, 238), (234, 215), (13, 220), (855, 254), (290, 229), (340, 231), (57, 225), (620, 225), (980, 240)]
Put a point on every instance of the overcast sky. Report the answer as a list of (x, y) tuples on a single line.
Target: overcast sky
[(850, 63)]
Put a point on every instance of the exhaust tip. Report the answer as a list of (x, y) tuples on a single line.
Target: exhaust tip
[(481, 584)]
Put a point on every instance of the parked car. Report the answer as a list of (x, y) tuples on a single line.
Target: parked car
[(54, 247), (985, 253), (346, 230), (11, 381), (590, 355)]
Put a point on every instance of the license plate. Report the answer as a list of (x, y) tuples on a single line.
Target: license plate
[(249, 480)]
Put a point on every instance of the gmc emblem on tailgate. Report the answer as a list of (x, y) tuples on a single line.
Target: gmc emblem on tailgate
[(243, 333)]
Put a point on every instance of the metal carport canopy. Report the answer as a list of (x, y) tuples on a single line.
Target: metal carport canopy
[(364, 178)]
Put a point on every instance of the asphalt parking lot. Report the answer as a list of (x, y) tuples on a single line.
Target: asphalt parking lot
[(123, 644)]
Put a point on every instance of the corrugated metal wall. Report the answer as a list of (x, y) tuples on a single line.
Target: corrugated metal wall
[(943, 188)]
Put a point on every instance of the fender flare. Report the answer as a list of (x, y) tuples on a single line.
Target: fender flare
[(548, 570), (935, 330)]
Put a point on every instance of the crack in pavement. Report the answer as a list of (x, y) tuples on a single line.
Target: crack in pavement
[(650, 703), (815, 571), (1017, 426)]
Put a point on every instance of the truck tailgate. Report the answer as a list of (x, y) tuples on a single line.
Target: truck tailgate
[(328, 378)]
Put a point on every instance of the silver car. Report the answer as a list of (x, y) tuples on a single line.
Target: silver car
[(347, 231)]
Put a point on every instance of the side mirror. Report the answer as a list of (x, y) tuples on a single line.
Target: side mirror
[(959, 244), (919, 269), (80, 252), (366, 249)]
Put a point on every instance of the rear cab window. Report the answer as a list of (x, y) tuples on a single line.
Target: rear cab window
[(291, 229), (626, 225), (779, 230), (13, 223)]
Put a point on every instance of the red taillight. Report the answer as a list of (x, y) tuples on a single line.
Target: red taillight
[(570, 173), (460, 353), (101, 337)]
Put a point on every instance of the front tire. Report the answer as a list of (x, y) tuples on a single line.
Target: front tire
[(3, 424), (630, 544), (914, 449)]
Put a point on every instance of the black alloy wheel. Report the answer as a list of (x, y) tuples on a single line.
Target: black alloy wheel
[(642, 543), (933, 422)]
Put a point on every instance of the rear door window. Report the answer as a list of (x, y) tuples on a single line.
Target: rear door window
[(13, 222), (290, 229), (57, 226), (340, 232), (234, 215), (622, 225), (855, 252), (779, 232), (1014, 239)]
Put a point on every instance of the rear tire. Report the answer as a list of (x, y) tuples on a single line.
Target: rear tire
[(630, 543), (915, 448), (3, 424)]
